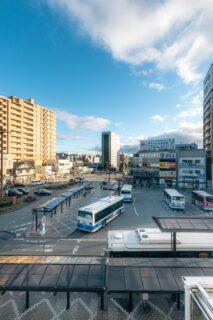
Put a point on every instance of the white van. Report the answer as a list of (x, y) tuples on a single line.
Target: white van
[(36, 182)]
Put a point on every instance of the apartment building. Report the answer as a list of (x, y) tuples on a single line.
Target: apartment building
[(208, 123), (30, 130), (110, 149)]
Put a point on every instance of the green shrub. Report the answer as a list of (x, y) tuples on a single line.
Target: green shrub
[(6, 202)]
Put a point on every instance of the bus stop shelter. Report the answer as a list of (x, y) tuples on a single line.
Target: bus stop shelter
[(183, 224), (52, 205), (49, 207)]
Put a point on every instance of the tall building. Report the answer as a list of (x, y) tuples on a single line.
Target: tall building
[(208, 123), (30, 130), (110, 149)]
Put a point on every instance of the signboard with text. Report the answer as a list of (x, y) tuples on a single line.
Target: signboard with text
[(167, 165)]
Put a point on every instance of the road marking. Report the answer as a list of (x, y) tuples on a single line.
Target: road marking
[(135, 207), (82, 240), (135, 211), (75, 249)]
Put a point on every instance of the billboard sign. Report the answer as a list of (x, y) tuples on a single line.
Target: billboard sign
[(167, 165), (167, 174), (7, 161)]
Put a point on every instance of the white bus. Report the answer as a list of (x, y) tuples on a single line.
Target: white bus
[(151, 242), (126, 193), (174, 199), (98, 214), (36, 182)]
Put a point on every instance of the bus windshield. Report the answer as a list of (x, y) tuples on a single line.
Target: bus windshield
[(178, 198), (125, 192), (84, 214), (209, 199)]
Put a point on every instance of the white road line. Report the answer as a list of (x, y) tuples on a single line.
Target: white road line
[(75, 249), (135, 211), (135, 207)]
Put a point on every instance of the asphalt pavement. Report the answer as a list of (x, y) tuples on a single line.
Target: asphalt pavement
[(68, 240)]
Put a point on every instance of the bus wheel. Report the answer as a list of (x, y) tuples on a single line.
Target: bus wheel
[(103, 223)]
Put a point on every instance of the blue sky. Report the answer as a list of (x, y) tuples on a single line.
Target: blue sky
[(133, 67)]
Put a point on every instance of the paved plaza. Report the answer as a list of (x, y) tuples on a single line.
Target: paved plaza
[(63, 238), (83, 306)]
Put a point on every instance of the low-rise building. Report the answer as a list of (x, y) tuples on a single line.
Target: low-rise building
[(191, 168), (64, 167), (23, 172)]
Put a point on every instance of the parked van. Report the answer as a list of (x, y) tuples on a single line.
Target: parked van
[(36, 182)]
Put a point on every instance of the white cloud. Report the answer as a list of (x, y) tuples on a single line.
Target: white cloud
[(87, 122), (157, 86), (157, 117), (186, 133), (189, 113), (66, 137), (178, 105), (194, 107), (174, 34), (118, 124), (136, 139)]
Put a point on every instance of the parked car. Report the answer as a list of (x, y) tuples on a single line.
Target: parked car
[(18, 185), (30, 199), (13, 193), (24, 191), (43, 192)]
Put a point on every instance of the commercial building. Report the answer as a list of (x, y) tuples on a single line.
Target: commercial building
[(208, 123), (145, 164), (110, 150), (191, 168), (157, 144), (30, 130), (186, 146)]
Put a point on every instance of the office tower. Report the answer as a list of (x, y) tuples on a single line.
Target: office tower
[(30, 130), (110, 149)]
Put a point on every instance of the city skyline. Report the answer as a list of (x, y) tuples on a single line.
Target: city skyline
[(87, 62)]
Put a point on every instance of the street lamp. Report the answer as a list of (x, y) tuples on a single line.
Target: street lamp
[(2, 132)]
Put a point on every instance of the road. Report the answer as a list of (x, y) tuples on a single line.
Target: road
[(147, 203)]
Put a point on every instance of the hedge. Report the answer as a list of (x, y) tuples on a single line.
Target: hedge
[(5, 202)]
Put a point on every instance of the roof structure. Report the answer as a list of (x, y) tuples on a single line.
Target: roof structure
[(184, 224)]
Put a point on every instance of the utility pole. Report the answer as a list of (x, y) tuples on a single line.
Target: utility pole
[(1, 178)]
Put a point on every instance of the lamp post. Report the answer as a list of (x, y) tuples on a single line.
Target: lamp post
[(2, 131)]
